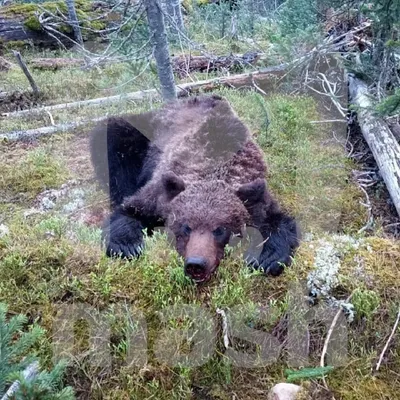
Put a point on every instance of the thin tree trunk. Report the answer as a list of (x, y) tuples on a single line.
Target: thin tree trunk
[(73, 21), (174, 11), (223, 22), (234, 34), (160, 47), (25, 69), (251, 8)]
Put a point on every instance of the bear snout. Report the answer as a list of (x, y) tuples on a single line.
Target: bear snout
[(201, 258), (196, 268)]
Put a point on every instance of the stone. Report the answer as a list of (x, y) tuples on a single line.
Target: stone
[(285, 391)]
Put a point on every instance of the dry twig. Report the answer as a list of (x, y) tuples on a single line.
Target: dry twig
[(396, 324)]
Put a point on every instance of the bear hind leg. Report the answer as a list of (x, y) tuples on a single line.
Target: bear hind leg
[(119, 152)]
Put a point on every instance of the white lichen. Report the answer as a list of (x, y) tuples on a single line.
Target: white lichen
[(325, 277), (4, 231)]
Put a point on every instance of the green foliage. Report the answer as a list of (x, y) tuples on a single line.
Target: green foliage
[(16, 354), (298, 16), (366, 302), (13, 352), (390, 105), (384, 13), (44, 386), (32, 23)]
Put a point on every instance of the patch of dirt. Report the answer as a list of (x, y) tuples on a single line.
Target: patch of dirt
[(383, 209), (95, 215), (17, 100), (77, 156)]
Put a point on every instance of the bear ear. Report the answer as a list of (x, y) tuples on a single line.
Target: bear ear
[(253, 192), (172, 184)]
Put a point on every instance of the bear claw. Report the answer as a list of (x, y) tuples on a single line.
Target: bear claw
[(124, 251)]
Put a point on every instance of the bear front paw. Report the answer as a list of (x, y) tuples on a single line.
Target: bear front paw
[(124, 250), (274, 268), (269, 266), (122, 236)]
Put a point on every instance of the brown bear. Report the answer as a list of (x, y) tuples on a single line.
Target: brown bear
[(193, 167)]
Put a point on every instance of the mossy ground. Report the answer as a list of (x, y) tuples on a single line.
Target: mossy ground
[(28, 13), (51, 260)]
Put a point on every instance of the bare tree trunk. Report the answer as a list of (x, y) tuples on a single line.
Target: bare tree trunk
[(174, 11), (25, 70), (73, 21), (223, 22), (234, 33), (160, 47), (252, 14)]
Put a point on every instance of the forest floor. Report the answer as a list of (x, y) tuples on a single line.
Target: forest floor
[(51, 258)]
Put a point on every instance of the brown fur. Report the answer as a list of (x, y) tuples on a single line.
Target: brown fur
[(214, 162), (207, 183)]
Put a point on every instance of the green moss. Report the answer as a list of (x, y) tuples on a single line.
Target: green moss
[(28, 13), (31, 174), (32, 23), (16, 44), (65, 28), (97, 25), (19, 9), (366, 302)]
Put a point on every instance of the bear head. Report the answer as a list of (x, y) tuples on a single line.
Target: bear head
[(203, 216)]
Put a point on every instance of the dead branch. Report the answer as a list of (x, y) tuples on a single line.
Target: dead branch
[(30, 134), (265, 77), (55, 63), (25, 70), (184, 65), (328, 337), (396, 324)]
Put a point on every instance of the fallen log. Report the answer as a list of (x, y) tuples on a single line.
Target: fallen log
[(30, 134), (15, 28), (182, 65), (266, 78), (53, 64), (380, 139), (20, 23)]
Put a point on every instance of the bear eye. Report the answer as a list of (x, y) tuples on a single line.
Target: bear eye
[(220, 231), (186, 229)]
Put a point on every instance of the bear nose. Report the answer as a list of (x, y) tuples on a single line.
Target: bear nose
[(196, 268)]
